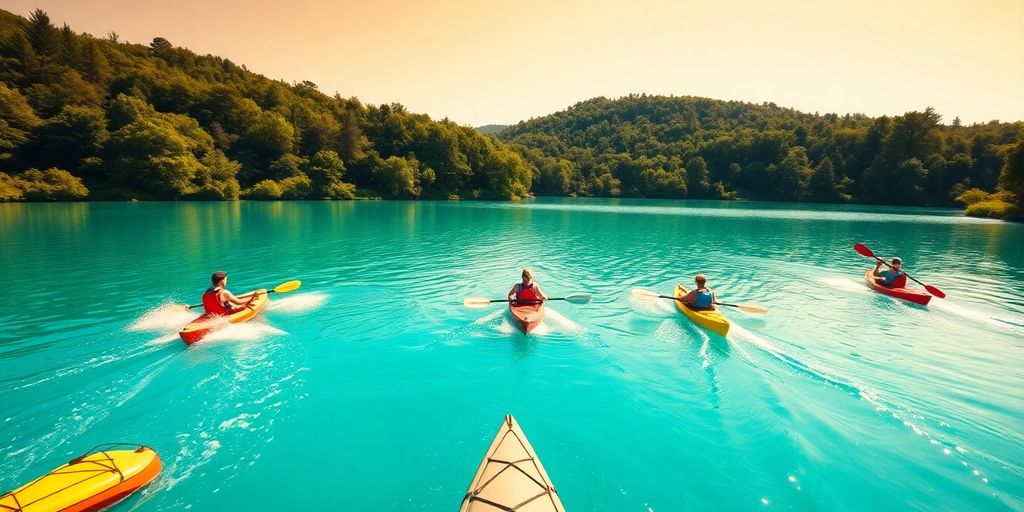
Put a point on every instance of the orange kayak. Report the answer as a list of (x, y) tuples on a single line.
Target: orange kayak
[(90, 482), (198, 329), (526, 316), (511, 477)]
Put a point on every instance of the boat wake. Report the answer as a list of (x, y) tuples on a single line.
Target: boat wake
[(845, 284), (556, 322), (1015, 327), (883, 406), (298, 302), (167, 317)]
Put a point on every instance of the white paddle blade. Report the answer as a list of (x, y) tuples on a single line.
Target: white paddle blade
[(579, 298), (643, 294), (476, 302), (756, 309)]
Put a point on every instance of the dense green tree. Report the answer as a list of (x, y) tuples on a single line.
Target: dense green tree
[(65, 140), (266, 190), (397, 178), (698, 182), (822, 185), (267, 139), (69, 89), (913, 135), (793, 175), (1012, 176), (35, 185), (325, 171), (162, 155), (17, 120)]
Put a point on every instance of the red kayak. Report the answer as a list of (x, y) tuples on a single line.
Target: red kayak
[(526, 316), (907, 294)]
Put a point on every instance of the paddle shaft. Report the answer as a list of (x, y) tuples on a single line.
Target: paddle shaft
[(527, 301), (680, 299)]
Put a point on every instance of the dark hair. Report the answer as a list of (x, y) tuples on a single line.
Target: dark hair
[(218, 276)]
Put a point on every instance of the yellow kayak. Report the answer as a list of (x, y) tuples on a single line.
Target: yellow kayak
[(90, 482), (511, 477), (712, 320)]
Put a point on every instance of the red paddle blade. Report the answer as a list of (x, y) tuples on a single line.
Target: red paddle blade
[(863, 250), (935, 291)]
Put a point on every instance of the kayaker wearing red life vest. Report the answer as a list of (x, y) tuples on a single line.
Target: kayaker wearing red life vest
[(891, 278), (219, 301), (700, 298), (526, 291)]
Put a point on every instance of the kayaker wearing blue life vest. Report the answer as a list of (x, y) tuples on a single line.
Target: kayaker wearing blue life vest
[(700, 298), (219, 301), (891, 278), (527, 291)]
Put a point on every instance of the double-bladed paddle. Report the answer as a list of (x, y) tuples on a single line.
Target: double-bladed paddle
[(864, 251), (289, 286), (482, 302), (645, 294)]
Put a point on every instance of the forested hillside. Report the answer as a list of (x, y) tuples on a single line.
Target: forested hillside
[(84, 117), (87, 117), (657, 146)]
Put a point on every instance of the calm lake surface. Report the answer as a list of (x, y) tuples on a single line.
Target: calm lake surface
[(373, 388)]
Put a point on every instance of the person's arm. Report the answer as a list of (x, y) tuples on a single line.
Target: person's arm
[(512, 293), (876, 273), (243, 300), (689, 298), (540, 294), (714, 299)]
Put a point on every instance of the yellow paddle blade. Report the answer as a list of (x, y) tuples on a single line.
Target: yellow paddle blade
[(643, 293), (756, 309), (476, 302), (288, 287)]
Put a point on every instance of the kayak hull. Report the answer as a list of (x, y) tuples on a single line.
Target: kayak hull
[(511, 477), (526, 316), (907, 294), (712, 320), (200, 327), (91, 482)]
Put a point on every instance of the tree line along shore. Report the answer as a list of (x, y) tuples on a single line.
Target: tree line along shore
[(95, 118)]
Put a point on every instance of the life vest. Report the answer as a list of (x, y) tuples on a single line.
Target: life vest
[(212, 304), (526, 294), (899, 280), (704, 299)]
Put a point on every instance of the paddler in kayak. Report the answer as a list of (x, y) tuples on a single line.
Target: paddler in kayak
[(527, 292), (891, 278), (700, 298), (218, 300)]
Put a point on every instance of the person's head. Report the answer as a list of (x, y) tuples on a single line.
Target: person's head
[(219, 278), (700, 280), (897, 263), (527, 275)]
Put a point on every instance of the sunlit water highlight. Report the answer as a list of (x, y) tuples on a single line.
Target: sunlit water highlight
[(372, 387)]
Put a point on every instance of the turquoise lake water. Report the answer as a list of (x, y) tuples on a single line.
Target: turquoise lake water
[(373, 388)]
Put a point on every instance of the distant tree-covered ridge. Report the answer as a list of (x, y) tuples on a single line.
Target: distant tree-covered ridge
[(689, 147), (83, 117), (491, 129), (87, 117)]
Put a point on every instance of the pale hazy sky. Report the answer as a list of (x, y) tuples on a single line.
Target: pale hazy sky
[(481, 62)]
